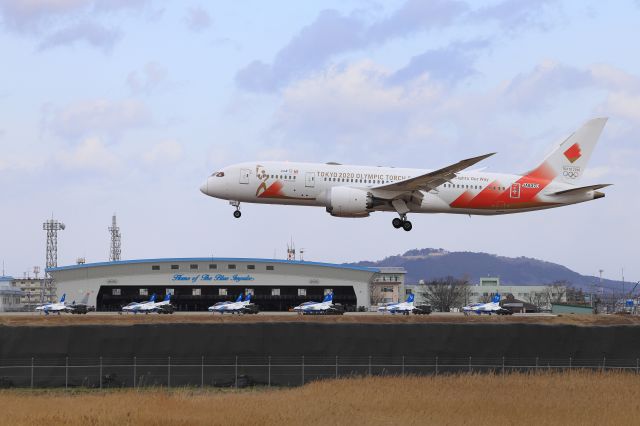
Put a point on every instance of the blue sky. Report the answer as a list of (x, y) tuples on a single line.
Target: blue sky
[(126, 106)]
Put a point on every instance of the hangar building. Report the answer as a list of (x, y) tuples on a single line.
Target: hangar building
[(197, 283)]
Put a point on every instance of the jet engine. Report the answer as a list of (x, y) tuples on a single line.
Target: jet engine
[(349, 202)]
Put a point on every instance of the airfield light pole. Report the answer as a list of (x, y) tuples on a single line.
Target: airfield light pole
[(116, 241), (52, 227)]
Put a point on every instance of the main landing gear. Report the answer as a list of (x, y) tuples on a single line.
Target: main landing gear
[(402, 222), (236, 213)]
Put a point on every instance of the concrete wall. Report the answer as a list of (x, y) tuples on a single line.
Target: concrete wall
[(318, 339)]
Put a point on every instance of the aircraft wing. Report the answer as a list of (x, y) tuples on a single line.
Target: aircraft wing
[(433, 179)]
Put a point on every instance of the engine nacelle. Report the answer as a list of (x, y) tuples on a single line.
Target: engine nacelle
[(349, 202)]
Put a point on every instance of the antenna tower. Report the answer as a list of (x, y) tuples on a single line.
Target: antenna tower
[(291, 251), (52, 227), (116, 241)]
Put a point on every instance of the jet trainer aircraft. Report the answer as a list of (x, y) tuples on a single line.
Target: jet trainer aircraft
[(492, 307), (136, 306), (357, 191), (154, 306), (239, 306), (404, 308), (313, 307), (53, 307)]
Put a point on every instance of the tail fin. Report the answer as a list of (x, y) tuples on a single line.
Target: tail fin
[(152, 298), (328, 297), (496, 298), (167, 297), (569, 160), (63, 297), (239, 299), (248, 298), (410, 298)]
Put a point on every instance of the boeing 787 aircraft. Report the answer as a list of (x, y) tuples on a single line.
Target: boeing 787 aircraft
[(357, 191)]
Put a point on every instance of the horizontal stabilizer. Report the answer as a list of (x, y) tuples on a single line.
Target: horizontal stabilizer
[(581, 189)]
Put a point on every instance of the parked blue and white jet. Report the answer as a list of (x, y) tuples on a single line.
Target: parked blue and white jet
[(232, 307), (53, 307), (155, 306), (404, 308), (215, 308), (135, 307), (315, 307), (492, 307)]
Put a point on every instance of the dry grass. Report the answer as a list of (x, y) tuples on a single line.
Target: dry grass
[(114, 319), (580, 398)]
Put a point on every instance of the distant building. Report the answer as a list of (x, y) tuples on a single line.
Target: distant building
[(197, 283), (9, 295), (387, 285), (564, 308), (32, 291), (537, 295)]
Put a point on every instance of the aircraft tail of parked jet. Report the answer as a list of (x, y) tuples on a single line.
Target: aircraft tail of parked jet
[(568, 160), (64, 296)]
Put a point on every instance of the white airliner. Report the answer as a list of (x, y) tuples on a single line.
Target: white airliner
[(153, 306), (53, 307), (233, 307), (404, 308), (357, 191), (316, 307), (136, 306), (492, 307)]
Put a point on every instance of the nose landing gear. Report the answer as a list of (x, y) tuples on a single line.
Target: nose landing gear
[(402, 222), (236, 213)]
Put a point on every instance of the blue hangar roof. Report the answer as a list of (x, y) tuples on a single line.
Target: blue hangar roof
[(215, 259)]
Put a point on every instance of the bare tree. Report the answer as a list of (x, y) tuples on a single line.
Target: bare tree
[(538, 299), (556, 291), (446, 293)]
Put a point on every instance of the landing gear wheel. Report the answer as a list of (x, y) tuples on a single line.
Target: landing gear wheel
[(397, 223), (406, 225), (237, 214)]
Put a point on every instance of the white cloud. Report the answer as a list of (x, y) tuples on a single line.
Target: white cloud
[(354, 108), (89, 32), (623, 104), (198, 19), (100, 117), (165, 152), (66, 22), (89, 155), (152, 77)]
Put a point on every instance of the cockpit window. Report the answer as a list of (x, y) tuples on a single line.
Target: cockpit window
[(218, 174)]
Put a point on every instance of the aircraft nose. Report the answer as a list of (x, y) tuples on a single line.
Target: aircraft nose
[(204, 188)]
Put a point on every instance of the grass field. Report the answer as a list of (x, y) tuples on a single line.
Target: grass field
[(115, 319), (577, 398)]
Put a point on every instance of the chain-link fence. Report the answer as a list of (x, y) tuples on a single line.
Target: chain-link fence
[(243, 371)]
